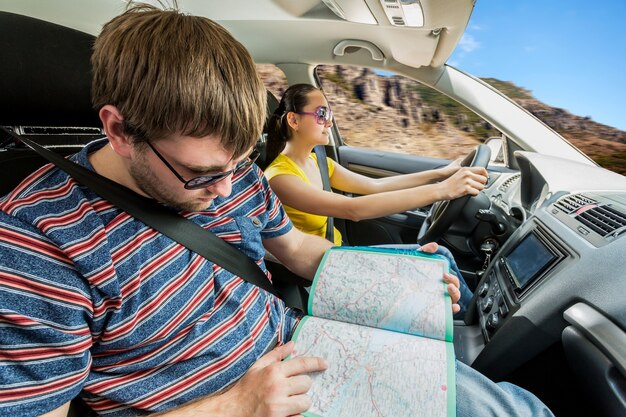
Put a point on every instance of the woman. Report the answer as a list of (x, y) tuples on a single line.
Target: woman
[(303, 120)]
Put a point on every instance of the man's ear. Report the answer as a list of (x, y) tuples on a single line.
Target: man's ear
[(112, 121)]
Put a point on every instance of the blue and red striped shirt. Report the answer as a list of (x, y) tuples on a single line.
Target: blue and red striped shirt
[(94, 302)]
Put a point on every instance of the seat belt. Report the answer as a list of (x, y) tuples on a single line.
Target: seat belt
[(189, 234), (322, 163)]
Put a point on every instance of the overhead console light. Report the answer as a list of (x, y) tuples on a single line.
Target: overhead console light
[(404, 12), (352, 11)]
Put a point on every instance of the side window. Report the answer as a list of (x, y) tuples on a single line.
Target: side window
[(393, 113)]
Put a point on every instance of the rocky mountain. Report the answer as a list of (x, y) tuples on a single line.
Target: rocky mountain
[(397, 114)]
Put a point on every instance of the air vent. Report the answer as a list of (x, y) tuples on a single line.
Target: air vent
[(571, 203), (54, 130), (398, 21), (59, 136), (506, 184), (604, 220)]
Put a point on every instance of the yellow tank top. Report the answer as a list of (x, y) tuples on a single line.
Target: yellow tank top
[(306, 222)]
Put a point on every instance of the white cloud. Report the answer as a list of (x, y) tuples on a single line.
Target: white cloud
[(468, 43)]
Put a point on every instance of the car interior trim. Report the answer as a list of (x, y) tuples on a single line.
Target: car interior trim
[(601, 331)]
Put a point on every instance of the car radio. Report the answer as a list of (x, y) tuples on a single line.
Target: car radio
[(517, 269), (531, 259)]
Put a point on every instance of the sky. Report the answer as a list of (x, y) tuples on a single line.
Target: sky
[(569, 53)]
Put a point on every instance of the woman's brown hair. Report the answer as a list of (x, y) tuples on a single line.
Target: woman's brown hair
[(294, 100)]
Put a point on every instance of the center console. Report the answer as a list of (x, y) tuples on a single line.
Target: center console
[(520, 267)]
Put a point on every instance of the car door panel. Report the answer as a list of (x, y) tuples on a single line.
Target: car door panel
[(395, 228)]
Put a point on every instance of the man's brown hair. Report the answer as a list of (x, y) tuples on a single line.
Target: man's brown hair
[(170, 73)]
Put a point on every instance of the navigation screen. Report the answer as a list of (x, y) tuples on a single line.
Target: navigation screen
[(528, 259)]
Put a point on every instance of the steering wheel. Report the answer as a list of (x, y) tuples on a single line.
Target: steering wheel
[(443, 213)]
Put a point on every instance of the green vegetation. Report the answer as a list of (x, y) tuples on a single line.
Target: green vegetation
[(510, 90), (458, 114), (615, 162), (335, 78)]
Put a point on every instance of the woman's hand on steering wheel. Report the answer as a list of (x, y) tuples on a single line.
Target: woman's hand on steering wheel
[(451, 168), (467, 180), (456, 191)]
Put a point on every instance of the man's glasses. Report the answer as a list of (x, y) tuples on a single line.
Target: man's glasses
[(207, 180), (322, 114)]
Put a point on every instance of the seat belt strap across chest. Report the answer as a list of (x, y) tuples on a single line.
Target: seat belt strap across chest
[(163, 219), (322, 163)]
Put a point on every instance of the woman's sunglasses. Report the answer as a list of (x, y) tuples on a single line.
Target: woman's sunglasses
[(322, 114), (207, 180)]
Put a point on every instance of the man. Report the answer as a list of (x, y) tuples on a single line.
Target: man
[(93, 302)]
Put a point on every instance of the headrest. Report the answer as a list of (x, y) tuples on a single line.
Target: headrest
[(272, 104), (45, 74)]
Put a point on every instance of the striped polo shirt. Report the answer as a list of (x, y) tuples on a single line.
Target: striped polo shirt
[(95, 303)]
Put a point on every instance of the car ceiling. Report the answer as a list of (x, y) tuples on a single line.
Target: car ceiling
[(280, 31)]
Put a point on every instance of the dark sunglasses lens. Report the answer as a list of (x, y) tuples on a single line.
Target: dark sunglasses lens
[(200, 182), (205, 181)]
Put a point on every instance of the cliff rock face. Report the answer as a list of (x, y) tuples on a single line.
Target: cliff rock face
[(397, 114), (604, 144)]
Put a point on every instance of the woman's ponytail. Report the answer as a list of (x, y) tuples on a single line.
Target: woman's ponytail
[(277, 132)]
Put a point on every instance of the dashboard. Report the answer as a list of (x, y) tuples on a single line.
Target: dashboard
[(563, 263)]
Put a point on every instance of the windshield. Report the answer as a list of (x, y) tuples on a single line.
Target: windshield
[(571, 81)]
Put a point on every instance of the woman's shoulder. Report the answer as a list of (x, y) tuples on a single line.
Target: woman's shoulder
[(279, 166)]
